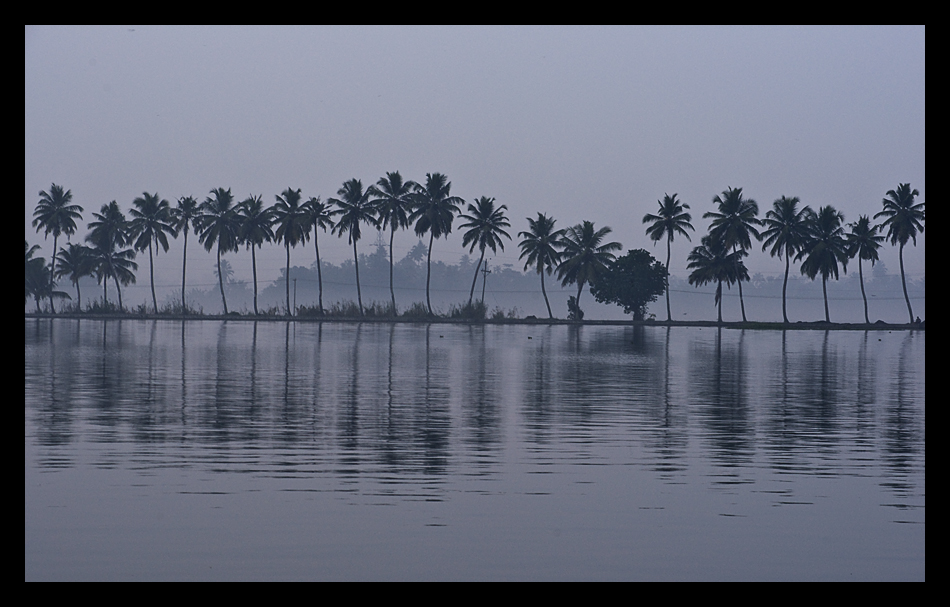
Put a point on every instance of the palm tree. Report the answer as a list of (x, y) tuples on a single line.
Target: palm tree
[(152, 220), (35, 274), (255, 230), (354, 208), (824, 248), (75, 262), (583, 257), (485, 225), (219, 224), (733, 224), (540, 245), (670, 219), (434, 211), (903, 220), (393, 199), (863, 243), (711, 261), (109, 232), (55, 214), (319, 218), (184, 217), (785, 231), (292, 227)]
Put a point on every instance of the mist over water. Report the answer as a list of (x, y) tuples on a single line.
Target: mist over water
[(345, 451)]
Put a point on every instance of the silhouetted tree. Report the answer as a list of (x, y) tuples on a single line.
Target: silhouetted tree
[(354, 208), (485, 225), (863, 242), (903, 219), (219, 225), (75, 262), (786, 230), (108, 235), (824, 248), (393, 200), (583, 256), (711, 261), (56, 214), (733, 225), (540, 245), (255, 230), (292, 227), (184, 217), (434, 210), (670, 219), (319, 218), (632, 281), (151, 222)]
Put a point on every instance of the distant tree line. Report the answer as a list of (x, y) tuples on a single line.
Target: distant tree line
[(579, 255)]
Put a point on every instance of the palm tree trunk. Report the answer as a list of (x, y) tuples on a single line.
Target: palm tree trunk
[(719, 296), (863, 296), (739, 281), (119, 289), (669, 315), (392, 292), (903, 283), (359, 296), (471, 292), (183, 262), (78, 298), (151, 274), (545, 293), (52, 268), (429, 271), (785, 288), (254, 268), (287, 274), (316, 248), (824, 291), (221, 282)]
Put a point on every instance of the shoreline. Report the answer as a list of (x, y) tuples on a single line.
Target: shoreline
[(751, 325)]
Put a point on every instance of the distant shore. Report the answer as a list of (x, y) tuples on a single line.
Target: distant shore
[(751, 325)]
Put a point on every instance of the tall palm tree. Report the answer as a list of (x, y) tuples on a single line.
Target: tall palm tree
[(292, 227), (786, 231), (219, 224), (393, 199), (151, 222), (485, 225), (255, 230), (540, 245), (35, 275), (354, 208), (824, 248), (583, 256), (734, 225), (711, 261), (75, 262), (108, 234), (184, 217), (670, 219), (903, 220), (56, 214), (863, 243), (434, 212), (319, 217)]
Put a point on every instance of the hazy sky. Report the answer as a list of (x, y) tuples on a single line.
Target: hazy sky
[(581, 123)]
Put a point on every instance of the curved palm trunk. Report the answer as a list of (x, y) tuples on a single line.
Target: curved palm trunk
[(824, 291), (739, 281), (863, 296), (392, 292), (785, 288), (287, 275), (221, 282), (669, 315), (545, 293), (119, 289), (183, 262), (910, 312), (429, 272), (359, 296), (78, 298), (471, 292), (316, 248), (151, 274), (254, 269), (719, 297)]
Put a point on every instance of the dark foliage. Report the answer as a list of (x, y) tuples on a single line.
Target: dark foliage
[(632, 281)]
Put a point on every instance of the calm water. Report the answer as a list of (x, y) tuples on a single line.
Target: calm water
[(164, 450)]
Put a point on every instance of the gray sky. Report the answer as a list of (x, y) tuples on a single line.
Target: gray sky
[(581, 123)]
